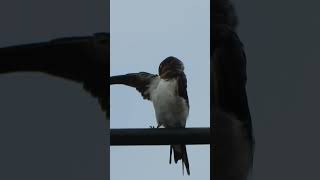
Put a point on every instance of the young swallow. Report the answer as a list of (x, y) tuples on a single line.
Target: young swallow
[(168, 93)]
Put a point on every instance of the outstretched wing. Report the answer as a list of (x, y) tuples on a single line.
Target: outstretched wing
[(141, 81), (80, 59)]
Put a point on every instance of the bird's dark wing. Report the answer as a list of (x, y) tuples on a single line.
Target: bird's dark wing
[(182, 87), (231, 98), (80, 59), (141, 81), (232, 128), (232, 77)]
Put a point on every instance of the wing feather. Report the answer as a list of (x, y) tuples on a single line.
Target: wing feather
[(182, 87), (141, 81)]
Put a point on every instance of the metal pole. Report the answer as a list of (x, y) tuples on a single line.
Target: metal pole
[(159, 136)]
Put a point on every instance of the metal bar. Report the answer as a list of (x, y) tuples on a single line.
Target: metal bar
[(159, 136)]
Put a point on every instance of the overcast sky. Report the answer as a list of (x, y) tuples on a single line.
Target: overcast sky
[(143, 33), (281, 40), (50, 128)]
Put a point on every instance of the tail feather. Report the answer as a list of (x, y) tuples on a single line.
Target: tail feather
[(180, 152)]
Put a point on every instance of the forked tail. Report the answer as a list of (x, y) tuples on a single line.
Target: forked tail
[(180, 152)]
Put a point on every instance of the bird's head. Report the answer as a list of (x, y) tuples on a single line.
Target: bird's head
[(170, 67)]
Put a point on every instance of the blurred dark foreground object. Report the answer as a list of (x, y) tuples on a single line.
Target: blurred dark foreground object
[(80, 59)]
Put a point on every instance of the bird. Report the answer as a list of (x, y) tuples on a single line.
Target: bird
[(233, 149), (82, 59), (168, 93)]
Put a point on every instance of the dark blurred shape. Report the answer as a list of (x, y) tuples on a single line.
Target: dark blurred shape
[(80, 59), (232, 126)]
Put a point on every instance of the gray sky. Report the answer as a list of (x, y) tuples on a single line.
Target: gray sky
[(143, 33), (281, 39), (50, 127)]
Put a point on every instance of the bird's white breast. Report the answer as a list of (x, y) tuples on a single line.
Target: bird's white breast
[(171, 110)]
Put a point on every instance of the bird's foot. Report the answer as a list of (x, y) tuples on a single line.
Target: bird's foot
[(154, 127)]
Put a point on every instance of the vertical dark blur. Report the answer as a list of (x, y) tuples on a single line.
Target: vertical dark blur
[(282, 46), (54, 102), (232, 127)]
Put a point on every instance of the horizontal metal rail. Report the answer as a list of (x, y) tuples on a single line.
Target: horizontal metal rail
[(159, 136)]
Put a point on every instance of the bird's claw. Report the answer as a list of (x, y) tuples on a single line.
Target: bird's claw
[(155, 127)]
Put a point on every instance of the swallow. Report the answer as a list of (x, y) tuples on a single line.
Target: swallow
[(168, 93)]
